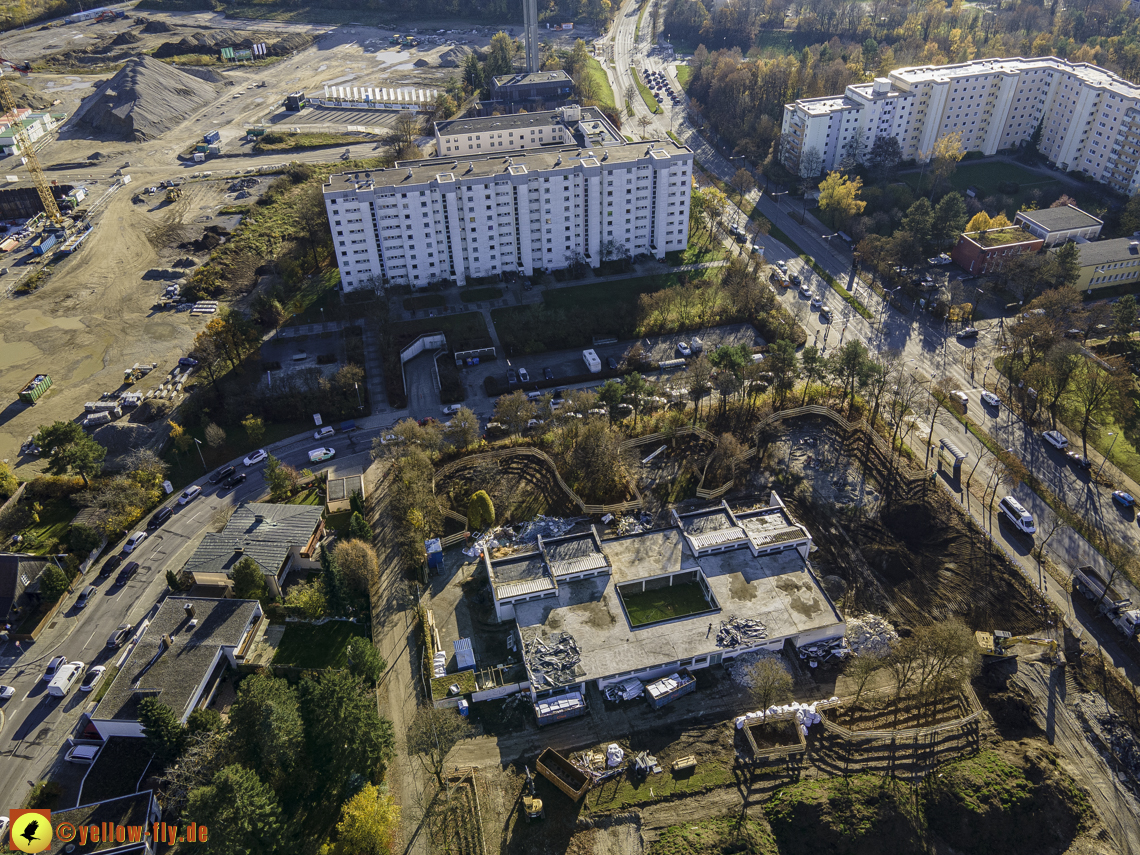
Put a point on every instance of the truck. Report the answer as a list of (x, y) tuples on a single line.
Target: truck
[(592, 361), (1111, 601), (563, 774), (668, 689), (35, 389)]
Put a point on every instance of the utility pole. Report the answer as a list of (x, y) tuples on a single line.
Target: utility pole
[(198, 443)]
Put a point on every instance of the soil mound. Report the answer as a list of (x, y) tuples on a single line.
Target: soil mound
[(291, 44), (453, 57), (208, 74), (125, 38), (157, 27), (144, 100)]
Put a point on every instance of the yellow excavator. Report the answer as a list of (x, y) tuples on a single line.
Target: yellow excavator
[(532, 805), (999, 643)]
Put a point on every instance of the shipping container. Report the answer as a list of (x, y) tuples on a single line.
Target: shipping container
[(45, 243), (668, 689), (215, 149), (199, 157), (212, 137), (9, 245), (562, 773), (35, 389), (255, 132), (560, 708)]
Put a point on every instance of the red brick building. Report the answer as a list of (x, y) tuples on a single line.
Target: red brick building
[(988, 251)]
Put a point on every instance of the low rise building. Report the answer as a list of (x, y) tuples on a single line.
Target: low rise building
[(1058, 225), (537, 90), (34, 125), (1109, 263), (134, 815), (280, 538), (179, 660), (736, 581), (569, 125), (19, 585), (988, 251)]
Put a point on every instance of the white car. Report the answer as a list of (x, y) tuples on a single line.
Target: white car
[(940, 259), (782, 267), (961, 397), (256, 457), (991, 399), (189, 495), (92, 678), (5, 693), (85, 754), (452, 409), (133, 541), (320, 454), (1055, 438), (825, 312), (323, 432), (53, 667), (816, 302), (684, 349), (805, 289)]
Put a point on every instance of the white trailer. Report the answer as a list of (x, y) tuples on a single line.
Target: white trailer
[(592, 361)]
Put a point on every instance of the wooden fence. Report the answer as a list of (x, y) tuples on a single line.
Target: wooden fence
[(968, 699)]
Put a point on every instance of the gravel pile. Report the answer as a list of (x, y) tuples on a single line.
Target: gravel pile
[(870, 634), (144, 100), (157, 27), (738, 669), (125, 38), (453, 57)]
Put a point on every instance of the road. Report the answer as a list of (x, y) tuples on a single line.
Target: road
[(34, 727)]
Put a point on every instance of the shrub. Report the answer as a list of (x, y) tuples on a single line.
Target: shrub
[(480, 512)]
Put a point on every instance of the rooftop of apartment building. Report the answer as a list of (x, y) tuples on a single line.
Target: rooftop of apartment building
[(1091, 74), (1000, 237), (1060, 219), (512, 121), (491, 165)]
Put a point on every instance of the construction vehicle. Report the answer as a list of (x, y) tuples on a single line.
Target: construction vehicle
[(1110, 601), (43, 187), (173, 194), (532, 805), (999, 643)]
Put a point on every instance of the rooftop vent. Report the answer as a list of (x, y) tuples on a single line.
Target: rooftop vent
[(409, 172), (189, 607), (605, 155)]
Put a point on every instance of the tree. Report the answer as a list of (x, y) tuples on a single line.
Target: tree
[(743, 182), (266, 730), (811, 163), (597, 461), (837, 198), (513, 411), (229, 336), (277, 478), (854, 152), (699, 377), (944, 159), (463, 429), (444, 108), (308, 598), (1104, 384), (359, 528), (1130, 216), (919, 221), (1068, 262), (203, 756), (432, 734), (215, 435), (781, 362), (849, 365), (164, 733), (480, 511), (610, 395), (369, 823), (1124, 316), (500, 56), (53, 583), (241, 812), (769, 682), (860, 671), (402, 138), (204, 721), (69, 449), (8, 482), (83, 539), (254, 428), (249, 580), (885, 155), (364, 661), (359, 566), (473, 74), (813, 366), (949, 220)]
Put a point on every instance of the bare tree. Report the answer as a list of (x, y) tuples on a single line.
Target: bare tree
[(860, 671), (770, 682), (432, 734)]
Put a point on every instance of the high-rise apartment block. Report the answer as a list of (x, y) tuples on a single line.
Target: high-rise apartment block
[(1090, 118), (485, 213)]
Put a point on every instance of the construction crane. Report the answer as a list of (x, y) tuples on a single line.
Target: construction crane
[(43, 187)]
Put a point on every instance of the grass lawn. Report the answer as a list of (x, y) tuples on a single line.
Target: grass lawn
[(338, 522), (700, 250), (646, 94), (424, 301), (306, 646), (316, 293), (289, 141), (187, 467), (684, 72), (465, 679), (665, 603), (713, 771), (604, 92), (673, 137), (55, 519), (311, 496), (463, 331), (477, 295)]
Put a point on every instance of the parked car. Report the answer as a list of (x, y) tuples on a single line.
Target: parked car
[(187, 362), (968, 332), (825, 312), (189, 495), (684, 349), (110, 565), (319, 455), (795, 278), (160, 516), (961, 397), (940, 259), (86, 596), (92, 677), (991, 399), (523, 376), (1056, 439), (1123, 498), (327, 430), (119, 636), (133, 541), (234, 480), (222, 474), (512, 377), (452, 409), (126, 574), (1078, 460), (782, 267), (816, 302), (53, 667), (548, 373), (611, 363), (84, 754), (256, 457), (805, 289)]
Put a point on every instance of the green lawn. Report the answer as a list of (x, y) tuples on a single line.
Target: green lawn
[(604, 92), (665, 603), (289, 141), (311, 496), (478, 295), (55, 519), (317, 301), (338, 522), (646, 94), (699, 250), (465, 679), (424, 301), (187, 467), (684, 72), (306, 646)]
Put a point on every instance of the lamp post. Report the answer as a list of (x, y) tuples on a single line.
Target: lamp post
[(198, 443), (777, 196), (1110, 445)]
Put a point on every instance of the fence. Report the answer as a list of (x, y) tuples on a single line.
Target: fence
[(967, 698)]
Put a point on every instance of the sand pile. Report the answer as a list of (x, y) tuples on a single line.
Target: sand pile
[(157, 27), (453, 57), (144, 100)]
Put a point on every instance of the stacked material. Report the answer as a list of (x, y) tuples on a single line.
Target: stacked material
[(740, 667), (614, 755), (737, 632), (626, 690), (822, 651), (870, 634), (805, 715)]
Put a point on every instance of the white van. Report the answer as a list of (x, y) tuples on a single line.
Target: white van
[(64, 679), (1015, 512)]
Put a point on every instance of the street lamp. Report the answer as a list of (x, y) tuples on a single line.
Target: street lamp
[(1110, 445), (198, 443), (777, 196)]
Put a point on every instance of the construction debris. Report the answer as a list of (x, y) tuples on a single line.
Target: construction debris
[(805, 715), (740, 667), (735, 632), (624, 525), (870, 634), (1111, 737), (554, 662), (614, 755), (822, 651), (543, 526), (626, 690)]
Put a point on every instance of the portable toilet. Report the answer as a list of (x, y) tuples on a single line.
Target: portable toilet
[(434, 553)]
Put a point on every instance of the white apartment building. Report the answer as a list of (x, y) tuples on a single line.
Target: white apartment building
[(567, 125), (1090, 117), (438, 219)]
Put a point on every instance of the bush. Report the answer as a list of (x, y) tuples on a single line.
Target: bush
[(83, 539), (480, 512), (53, 583), (53, 486)]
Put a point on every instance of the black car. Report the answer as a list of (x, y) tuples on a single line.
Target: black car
[(126, 574), (794, 279), (512, 376), (232, 482), (110, 566), (221, 474), (160, 517), (547, 373), (611, 363)]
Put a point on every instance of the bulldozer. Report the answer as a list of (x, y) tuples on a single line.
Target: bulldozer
[(999, 643), (173, 194), (532, 805)]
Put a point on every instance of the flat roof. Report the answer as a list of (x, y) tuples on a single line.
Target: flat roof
[(1060, 219), (1109, 251), (481, 167), (133, 810), (527, 78), (648, 554), (777, 589), (512, 121), (173, 675)]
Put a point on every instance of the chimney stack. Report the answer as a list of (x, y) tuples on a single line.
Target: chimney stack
[(189, 610)]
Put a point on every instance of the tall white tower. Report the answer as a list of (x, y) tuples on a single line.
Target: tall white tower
[(530, 34)]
